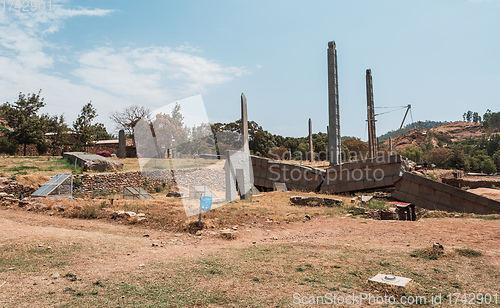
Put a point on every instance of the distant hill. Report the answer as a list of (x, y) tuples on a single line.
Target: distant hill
[(417, 125), (441, 135)]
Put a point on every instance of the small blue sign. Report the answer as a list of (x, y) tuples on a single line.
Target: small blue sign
[(206, 203)]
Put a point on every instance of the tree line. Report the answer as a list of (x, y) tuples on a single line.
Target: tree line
[(23, 125)]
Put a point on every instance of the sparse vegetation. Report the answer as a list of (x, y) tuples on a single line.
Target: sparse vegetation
[(467, 252), (427, 253)]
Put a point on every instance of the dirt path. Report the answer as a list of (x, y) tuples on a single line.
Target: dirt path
[(118, 244)]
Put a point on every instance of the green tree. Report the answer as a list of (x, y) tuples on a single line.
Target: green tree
[(488, 166), (357, 149), (22, 117), (176, 113), (496, 160), (468, 116), (168, 133), (87, 131), (57, 131), (476, 118)]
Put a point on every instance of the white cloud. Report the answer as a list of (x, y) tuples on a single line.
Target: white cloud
[(154, 74), (111, 78)]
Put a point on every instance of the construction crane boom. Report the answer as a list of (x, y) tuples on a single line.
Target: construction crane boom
[(404, 118)]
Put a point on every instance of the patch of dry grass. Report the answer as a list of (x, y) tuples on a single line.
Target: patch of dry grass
[(265, 276), (19, 166), (169, 214)]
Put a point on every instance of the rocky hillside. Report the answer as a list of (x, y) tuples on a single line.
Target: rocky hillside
[(440, 135)]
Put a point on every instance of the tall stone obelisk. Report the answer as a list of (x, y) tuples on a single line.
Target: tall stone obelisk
[(333, 106), (244, 124), (121, 144), (370, 110), (311, 148)]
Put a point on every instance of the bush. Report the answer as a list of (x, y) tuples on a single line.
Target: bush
[(488, 166), (8, 146), (104, 153), (42, 148)]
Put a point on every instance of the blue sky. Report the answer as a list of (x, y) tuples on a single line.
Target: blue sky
[(442, 57)]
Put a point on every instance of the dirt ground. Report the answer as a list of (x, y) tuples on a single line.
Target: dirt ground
[(99, 250)]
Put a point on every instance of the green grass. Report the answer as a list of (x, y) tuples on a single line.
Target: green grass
[(376, 204), (11, 166), (466, 252), (28, 257), (22, 168)]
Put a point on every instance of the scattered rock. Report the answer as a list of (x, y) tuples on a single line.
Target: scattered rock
[(174, 194), (145, 235), (116, 214), (41, 206), (364, 199), (102, 164), (55, 275), (60, 208), (228, 234), (307, 217), (22, 203), (438, 247)]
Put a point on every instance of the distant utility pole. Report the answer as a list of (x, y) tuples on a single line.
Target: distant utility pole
[(372, 136)]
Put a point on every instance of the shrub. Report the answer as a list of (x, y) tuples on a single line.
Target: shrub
[(8, 146), (104, 153), (42, 147), (90, 211)]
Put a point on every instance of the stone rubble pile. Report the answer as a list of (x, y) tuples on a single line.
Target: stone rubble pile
[(12, 187), (9, 200), (314, 201)]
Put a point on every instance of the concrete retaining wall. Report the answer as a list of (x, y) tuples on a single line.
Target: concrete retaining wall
[(432, 195), (471, 183), (383, 171), (267, 171)]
